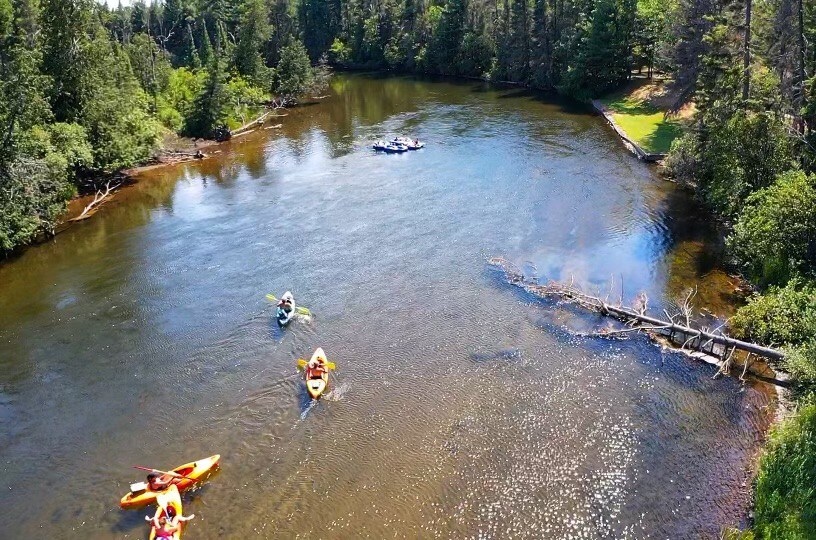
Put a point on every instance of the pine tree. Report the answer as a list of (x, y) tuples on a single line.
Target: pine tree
[(447, 38), (253, 33), (66, 25), (208, 118), (205, 50), (188, 53)]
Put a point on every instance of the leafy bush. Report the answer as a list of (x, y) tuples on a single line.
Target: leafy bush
[(339, 52), (781, 316), (175, 103), (800, 362), (786, 484), (682, 162), (243, 101), (33, 196), (741, 155), (775, 234), (784, 317)]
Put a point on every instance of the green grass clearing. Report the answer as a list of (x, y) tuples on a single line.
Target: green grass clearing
[(643, 123)]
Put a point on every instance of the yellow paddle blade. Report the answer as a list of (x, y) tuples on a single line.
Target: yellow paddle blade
[(303, 363), (303, 311), (271, 298)]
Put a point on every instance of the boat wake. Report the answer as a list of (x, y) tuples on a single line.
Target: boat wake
[(338, 392)]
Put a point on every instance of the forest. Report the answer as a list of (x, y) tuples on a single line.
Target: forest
[(87, 90)]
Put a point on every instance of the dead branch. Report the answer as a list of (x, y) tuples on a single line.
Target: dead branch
[(251, 125), (98, 199)]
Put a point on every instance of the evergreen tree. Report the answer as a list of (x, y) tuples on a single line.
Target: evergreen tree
[(447, 37), (205, 51), (603, 56), (188, 53), (293, 74), (319, 23), (209, 119), (139, 17), (66, 25), (253, 33)]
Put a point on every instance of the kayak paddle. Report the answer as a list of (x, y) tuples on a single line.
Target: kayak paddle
[(303, 363), (300, 309), (171, 473)]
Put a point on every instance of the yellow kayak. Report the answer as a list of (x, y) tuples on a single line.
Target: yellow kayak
[(192, 472), (317, 379), (169, 509)]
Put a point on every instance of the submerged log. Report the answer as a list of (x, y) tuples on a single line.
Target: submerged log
[(717, 343)]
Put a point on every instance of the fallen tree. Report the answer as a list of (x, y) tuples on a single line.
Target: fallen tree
[(677, 330), (99, 198)]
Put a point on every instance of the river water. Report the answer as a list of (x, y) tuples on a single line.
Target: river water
[(462, 407)]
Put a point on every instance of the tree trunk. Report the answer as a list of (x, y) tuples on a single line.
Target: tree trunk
[(800, 83), (746, 75)]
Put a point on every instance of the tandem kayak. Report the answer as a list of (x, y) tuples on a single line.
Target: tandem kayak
[(195, 471), (169, 502), (316, 382)]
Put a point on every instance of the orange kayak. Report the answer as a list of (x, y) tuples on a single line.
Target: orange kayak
[(193, 472), (169, 502)]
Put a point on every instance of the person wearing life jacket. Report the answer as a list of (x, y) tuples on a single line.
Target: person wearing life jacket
[(158, 482), (169, 523), (285, 304), (316, 368)]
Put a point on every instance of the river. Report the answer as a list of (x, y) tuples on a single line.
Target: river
[(462, 407)]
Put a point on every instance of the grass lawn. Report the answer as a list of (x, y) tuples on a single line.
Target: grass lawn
[(643, 122)]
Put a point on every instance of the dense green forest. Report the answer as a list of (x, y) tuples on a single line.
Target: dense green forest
[(86, 90)]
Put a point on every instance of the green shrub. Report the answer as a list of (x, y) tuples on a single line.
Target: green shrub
[(786, 484), (175, 103), (781, 316), (244, 101), (800, 362), (775, 234)]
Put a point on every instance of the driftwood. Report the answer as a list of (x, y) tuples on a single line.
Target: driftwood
[(677, 329), (251, 125), (98, 199)]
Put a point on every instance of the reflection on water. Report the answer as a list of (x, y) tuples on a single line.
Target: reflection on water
[(461, 407)]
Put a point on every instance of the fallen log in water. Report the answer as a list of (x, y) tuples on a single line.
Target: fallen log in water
[(251, 125), (713, 343), (99, 198)]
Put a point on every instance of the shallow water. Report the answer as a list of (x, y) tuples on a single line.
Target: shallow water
[(461, 407)]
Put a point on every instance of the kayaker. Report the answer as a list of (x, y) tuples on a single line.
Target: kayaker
[(316, 367), (158, 482), (285, 304), (168, 525)]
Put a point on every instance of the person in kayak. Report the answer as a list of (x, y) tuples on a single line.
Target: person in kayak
[(316, 367), (169, 523), (158, 482), (285, 304)]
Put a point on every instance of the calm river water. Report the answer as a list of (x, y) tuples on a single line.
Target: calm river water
[(462, 407)]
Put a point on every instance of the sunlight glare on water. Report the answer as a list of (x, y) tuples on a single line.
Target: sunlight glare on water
[(461, 408)]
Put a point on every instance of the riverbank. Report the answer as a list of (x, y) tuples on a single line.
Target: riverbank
[(175, 149), (641, 114)]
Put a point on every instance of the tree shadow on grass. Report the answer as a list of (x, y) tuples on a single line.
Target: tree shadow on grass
[(625, 106), (660, 140)]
